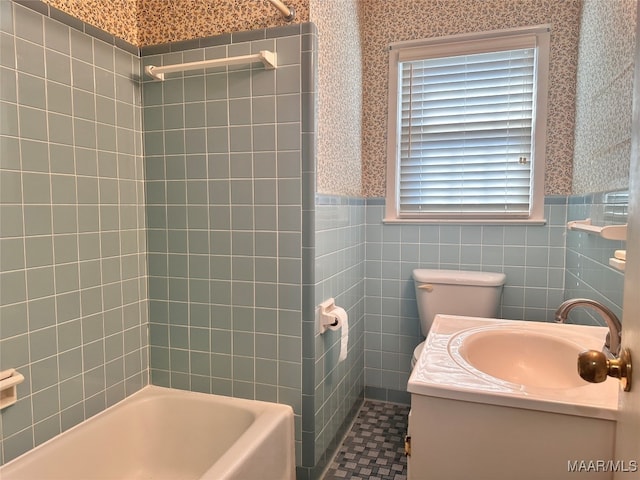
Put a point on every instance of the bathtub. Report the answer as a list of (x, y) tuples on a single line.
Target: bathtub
[(161, 433)]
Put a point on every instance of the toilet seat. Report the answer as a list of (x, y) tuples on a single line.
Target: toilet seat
[(416, 354)]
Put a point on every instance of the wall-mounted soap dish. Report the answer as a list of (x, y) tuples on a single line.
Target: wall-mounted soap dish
[(9, 379)]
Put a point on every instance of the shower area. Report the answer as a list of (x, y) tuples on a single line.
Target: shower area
[(230, 201), (187, 245), (240, 250)]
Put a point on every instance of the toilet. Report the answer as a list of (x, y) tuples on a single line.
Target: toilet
[(454, 292)]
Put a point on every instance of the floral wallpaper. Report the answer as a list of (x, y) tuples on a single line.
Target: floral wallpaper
[(161, 21), (604, 96), (151, 22), (118, 17), (339, 152), (387, 21)]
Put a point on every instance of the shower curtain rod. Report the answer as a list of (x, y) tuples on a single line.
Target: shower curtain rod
[(268, 59), (288, 13)]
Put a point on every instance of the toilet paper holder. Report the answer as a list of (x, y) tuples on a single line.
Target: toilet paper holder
[(326, 318)]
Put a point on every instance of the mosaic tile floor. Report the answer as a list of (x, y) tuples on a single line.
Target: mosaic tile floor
[(374, 447)]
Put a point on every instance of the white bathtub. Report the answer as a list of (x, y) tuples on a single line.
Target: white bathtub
[(161, 433)]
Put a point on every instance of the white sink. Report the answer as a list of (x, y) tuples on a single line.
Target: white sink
[(520, 356), (513, 363)]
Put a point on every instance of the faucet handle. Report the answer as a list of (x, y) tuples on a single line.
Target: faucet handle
[(594, 367)]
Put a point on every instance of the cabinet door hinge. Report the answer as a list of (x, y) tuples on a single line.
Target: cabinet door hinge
[(407, 445)]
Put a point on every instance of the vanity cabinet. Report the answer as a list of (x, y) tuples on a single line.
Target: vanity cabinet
[(460, 440)]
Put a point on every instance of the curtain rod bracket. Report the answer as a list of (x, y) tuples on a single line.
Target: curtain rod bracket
[(292, 14), (289, 13)]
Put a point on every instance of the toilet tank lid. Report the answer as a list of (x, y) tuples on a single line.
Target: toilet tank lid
[(458, 277)]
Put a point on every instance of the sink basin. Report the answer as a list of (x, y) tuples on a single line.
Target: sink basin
[(520, 356), (513, 363)]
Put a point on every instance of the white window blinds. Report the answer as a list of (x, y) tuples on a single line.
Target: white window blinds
[(465, 131), (465, 136)]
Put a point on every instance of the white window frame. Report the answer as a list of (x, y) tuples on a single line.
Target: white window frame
[(459, 45)]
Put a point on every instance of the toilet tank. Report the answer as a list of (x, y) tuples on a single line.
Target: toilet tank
[(456, 292)]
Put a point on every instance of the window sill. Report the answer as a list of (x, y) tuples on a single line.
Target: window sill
[(464, 221)]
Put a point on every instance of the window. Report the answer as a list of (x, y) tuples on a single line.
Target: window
[(467, 127)]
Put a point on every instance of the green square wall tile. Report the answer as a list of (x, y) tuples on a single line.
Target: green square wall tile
[(33, 123), (81, 46), (60, 129), (12, 257), (240, 111), (12, 287), (31, 91), (103, 55), (37, 219), (42, 343), (38, 251), (29, 57), (263, 109), (243, 369), (264, 138), (288, 108)]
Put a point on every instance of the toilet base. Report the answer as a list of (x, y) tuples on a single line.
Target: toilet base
[(416, 354)]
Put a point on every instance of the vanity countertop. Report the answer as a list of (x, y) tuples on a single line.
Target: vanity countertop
[(440, 372)]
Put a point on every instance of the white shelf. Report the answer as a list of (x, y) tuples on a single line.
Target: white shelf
[(610, 232)]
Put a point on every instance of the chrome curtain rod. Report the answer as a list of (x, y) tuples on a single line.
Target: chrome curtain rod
[(288, 13)]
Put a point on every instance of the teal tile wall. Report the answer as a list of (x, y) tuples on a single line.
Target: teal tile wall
[(73, 303), (589, 274), (228, 163), (532, 257), (339, 274)]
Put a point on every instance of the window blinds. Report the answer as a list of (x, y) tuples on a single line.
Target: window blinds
[(465, 134)]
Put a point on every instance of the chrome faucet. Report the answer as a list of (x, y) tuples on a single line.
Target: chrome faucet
[(612, 342)]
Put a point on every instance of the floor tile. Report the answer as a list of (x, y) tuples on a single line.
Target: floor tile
[(374, 447)]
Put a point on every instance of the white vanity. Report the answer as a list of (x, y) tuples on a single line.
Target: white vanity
[(499, 399)]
